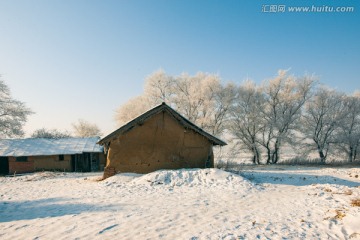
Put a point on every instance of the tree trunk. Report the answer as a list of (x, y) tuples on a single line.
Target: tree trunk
[(321, 153), (256, 155), (254, 159), (276, 154), (268, 160), (351, 153), (355, 154), (322, 156)]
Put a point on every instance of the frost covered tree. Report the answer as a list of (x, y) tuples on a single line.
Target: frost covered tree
[(324, 113), (203, 100), (224, 99), (285, 96), (245, 122), (348, 135), (200, 98), (50, 133), (85, 129), (132, 109), (159, 87), (194, 96), (13, 113)]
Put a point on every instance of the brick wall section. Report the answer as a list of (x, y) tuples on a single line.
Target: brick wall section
[(20, 167)]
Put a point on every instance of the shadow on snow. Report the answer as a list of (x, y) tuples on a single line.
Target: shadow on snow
[(44, 208), (295, 179)]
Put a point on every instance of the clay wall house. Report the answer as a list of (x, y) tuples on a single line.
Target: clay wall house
[(158, 139)]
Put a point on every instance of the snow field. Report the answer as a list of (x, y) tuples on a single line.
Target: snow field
[(262, 203)]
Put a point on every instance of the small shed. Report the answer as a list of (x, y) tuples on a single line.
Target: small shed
[(159, 139), (63, 154)]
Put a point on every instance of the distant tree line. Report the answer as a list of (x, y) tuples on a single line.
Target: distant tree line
[(259, 118), (81, 129)]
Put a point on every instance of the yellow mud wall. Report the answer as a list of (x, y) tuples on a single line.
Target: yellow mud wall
[(20, 167), (52, 163), (159, 143)]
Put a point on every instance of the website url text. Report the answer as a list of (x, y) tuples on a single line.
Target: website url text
[(306, 9)]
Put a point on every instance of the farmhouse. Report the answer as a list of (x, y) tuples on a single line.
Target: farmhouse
[(159, 139), (64, 154)]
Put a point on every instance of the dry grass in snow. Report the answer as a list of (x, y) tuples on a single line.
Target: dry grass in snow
[(355, 202)]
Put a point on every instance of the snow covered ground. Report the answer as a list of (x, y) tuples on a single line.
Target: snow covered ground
[(277, 202)]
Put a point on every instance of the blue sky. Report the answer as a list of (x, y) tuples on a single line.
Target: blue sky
[(71, 59)]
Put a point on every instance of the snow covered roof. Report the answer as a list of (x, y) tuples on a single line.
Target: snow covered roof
[(162, 108), (46, 147)]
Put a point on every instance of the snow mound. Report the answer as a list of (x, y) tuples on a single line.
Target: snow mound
[(192, 177), (121, 178)]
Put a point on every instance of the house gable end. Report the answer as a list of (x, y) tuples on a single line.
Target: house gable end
[(152, 112)]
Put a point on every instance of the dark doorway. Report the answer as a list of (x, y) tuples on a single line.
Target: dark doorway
[(83, 163), (94, 162), (4, 165), (73, 163), (86, 162)]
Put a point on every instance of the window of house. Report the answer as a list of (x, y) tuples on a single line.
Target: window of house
[(21, 159), (61, 157)]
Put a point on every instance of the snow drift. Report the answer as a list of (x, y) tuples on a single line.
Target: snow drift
[(184, 177)]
